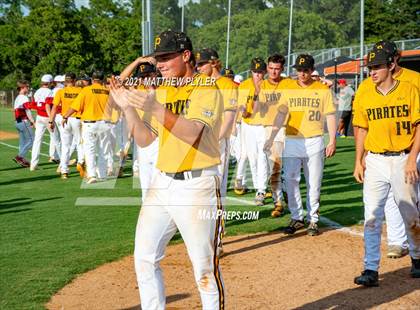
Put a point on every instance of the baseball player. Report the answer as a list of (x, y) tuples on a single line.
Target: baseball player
[(265, 111), (227, 72), (308, 103), (252, 133), (71, 132), (187, 182), (387, 118), (24, 123), (91, 103), (396, 235), (345, 98), (208, 63), (43, 98)]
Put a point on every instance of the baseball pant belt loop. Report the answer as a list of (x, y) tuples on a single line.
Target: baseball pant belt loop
[(403, 152)]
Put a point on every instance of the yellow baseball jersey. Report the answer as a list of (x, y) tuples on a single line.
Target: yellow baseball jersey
[(92, 102), (390, 118), (307, 108), (404, 74), (64, 98), (246, 92), (162, 93), (229, 91), (269, 98), (202, 103)]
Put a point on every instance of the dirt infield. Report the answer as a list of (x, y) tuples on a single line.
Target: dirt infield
[(6, 135), (263, 271)]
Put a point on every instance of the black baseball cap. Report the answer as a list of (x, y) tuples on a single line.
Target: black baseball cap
[(389, 46), (85, 77), (227, 72), (205, 55), (145, 68), (378, 57), (258, 64), (98, 75), (304, 61), (70, 76), (169, 42)]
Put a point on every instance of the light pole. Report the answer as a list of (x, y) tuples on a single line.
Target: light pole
[(289, 47), (146, 27), (228, 35)]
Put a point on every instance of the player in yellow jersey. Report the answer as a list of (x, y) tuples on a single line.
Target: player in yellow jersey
[(396, 236), (252, 133), (187, 184), (71, 133), (307, 103), (264, 113), (91, 103), (208, 63), (387, 117)]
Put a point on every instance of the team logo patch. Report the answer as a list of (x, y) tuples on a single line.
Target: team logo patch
[(142, 68), (372, 56), (301, 61), (207, 113), (157, 42), (257, 65)]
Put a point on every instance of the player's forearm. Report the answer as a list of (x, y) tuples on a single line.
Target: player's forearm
[(29, 115), (360, 145), (226, 129), (415, 148), (69, 112), (189, 131), (48, 109), (278, 123), (53, 113), (332, 127), (137, 128)]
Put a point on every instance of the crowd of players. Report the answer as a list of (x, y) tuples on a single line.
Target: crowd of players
[(272, 122)]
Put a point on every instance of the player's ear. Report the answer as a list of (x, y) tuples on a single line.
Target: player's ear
[(186, 56), (391, 66)]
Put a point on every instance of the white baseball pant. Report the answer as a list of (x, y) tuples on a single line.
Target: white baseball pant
[(26, 137), (235, 143), (41, 124), (275, 162), (147, 158), (223, 167), (255, 136), (309, 154), (241, 162), (382, 174), (179, 204), (55, 143), (70, 134), (395, 228), (93, 134)]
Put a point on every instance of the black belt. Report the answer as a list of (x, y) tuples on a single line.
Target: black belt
[(20, 120), (185, 175), (109, 122), (78, 117), (393, 153), (90, 121)]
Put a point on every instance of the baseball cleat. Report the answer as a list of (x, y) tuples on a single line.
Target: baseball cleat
[(72, 162), (278, 209), (313, 229), (415, 268), (33, 168), (21, 161), (268, 195), (91, 180), (396, 251), (259, 199), (58, 170), (53, 160), (238, 188), (368, 278), (64, 176), (294, 226), (81, 168)]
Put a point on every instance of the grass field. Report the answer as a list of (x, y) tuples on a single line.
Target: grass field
[(46, 240)]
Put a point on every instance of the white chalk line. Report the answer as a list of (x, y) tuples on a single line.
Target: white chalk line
[(323, 219), (16, 148)]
